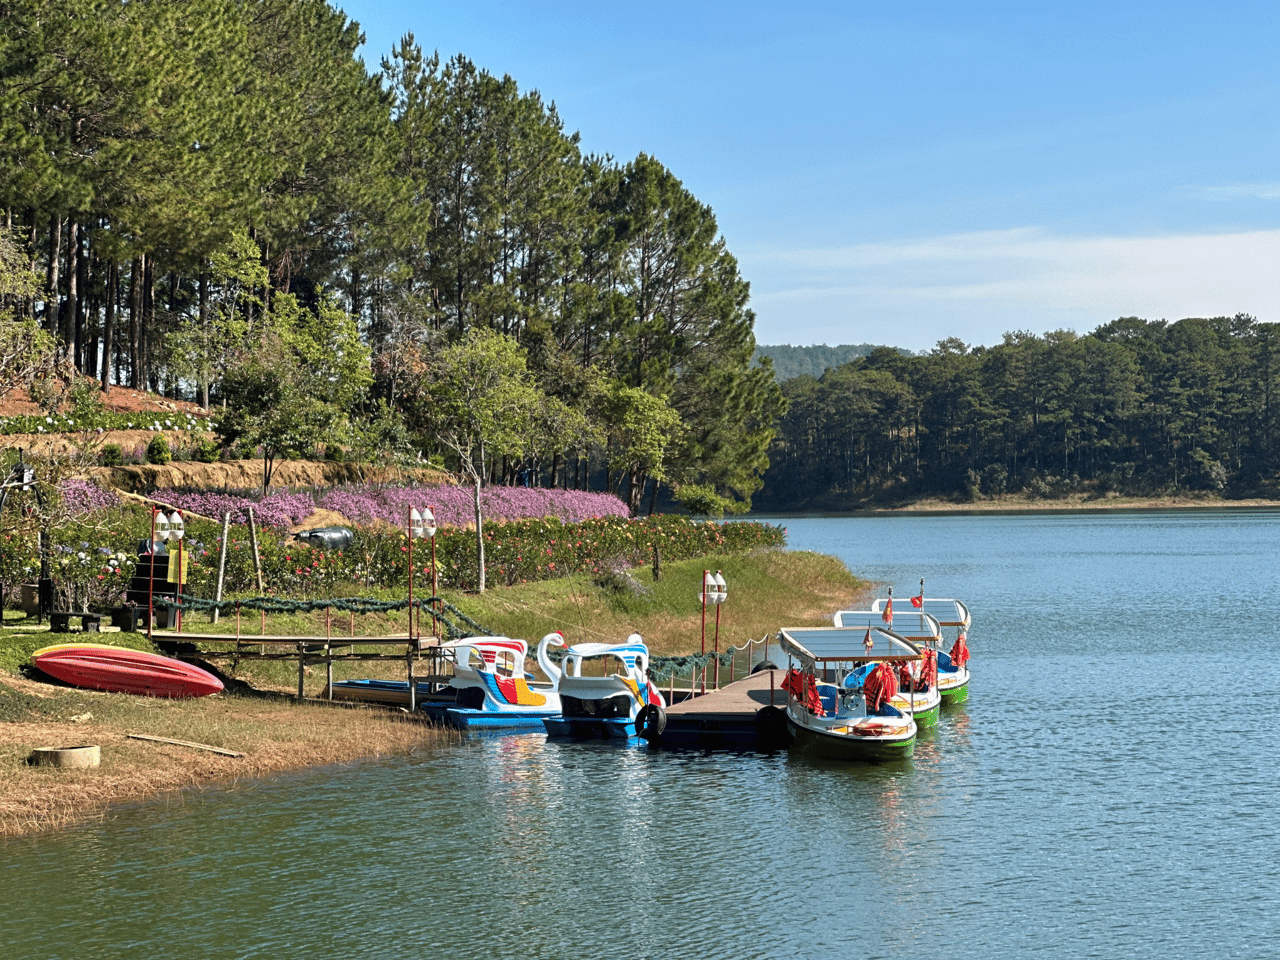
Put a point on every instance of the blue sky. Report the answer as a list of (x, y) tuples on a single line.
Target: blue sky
[(902, 173)]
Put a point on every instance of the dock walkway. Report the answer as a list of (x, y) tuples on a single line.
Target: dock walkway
[(748, 714)]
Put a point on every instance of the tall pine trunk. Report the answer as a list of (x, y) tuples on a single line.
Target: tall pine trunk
[(135, 323), (204, 338), (53, 282), (71, 314), (109, 324)]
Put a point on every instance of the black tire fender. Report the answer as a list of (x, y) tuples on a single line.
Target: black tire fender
[(651, 721), (771, 728)]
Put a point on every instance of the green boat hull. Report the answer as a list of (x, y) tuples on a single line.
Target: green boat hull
[(854, 749), (955, 695), (928, 718)]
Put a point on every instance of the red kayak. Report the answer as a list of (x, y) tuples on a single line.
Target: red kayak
[(120, 670)]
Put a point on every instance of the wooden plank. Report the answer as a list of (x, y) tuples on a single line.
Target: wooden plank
[(742, 698), (185, 743), (336, 641)]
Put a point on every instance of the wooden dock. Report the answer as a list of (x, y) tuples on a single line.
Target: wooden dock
[(306, 650), (749, 714)]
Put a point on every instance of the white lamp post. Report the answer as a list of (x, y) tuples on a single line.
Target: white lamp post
[(706, 596), (160, 530), (178, 530), (718, 597), (422, 525), (415, 531), (429, 529)]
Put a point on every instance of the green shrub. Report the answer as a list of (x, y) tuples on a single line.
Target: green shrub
[(158, 450), (112, 455), (334, 452), (85, 396), (205, 450)]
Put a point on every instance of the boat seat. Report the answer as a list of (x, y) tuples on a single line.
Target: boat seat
[(886, 710), (830, 699)]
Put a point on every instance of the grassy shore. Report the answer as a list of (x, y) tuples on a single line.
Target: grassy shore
[(275, 732)]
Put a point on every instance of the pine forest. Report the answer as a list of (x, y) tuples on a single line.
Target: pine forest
[(219, 201)]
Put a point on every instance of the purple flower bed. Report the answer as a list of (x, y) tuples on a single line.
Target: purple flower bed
[(277, 509), (363, 504), (81, 497), (453, 506)]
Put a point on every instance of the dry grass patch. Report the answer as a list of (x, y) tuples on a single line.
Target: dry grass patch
[(273, 735)]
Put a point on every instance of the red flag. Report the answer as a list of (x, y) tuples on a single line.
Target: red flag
[(918, 602), (887, 616), (867, 641)]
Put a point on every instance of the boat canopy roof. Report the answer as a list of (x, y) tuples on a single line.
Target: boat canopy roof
[(948, 613), (628, 653), (911, 623), (845, 644), (489, 645)]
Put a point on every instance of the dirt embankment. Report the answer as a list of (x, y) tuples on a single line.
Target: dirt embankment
[(247, 474), (232, 474)]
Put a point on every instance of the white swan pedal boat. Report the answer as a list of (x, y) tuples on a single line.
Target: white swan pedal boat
[(493, 691), (605, 691)]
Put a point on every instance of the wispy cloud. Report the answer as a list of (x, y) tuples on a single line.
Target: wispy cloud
[(1238, 191), (978, 286)]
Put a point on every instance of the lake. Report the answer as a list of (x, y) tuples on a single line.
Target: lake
[(1109, 789)]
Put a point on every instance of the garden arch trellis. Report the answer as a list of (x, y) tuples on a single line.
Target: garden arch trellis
[(23, 477)]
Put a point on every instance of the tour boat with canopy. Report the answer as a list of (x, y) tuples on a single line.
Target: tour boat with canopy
[(605, 691), (953, 671), (838, 703), (918, 690)]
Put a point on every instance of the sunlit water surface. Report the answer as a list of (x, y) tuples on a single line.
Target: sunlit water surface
[(1109, 790)]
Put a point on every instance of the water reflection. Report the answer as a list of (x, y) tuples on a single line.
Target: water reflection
[(1052, 814)]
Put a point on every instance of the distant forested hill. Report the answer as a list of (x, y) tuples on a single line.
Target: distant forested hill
[(1136, 408), (790, 362)]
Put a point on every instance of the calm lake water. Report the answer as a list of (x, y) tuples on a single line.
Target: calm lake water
[(1109, 790)]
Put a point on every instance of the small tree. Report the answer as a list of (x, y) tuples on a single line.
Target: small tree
[(642, 428), (292, 387), (270, 406), (478, 400), (27, 353)]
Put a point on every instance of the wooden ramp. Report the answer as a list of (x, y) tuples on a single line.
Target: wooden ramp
[(748, 714)]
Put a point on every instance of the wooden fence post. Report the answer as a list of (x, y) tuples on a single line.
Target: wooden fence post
[(222, 563)]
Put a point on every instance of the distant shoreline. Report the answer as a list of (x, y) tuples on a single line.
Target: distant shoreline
[(1010, 505)]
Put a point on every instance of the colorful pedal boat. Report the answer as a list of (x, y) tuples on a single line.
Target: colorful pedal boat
[(618, 704), (835, 720), (489, 689)]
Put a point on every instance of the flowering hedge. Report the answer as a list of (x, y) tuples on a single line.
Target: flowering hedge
[(516, 552), (87, 565)]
